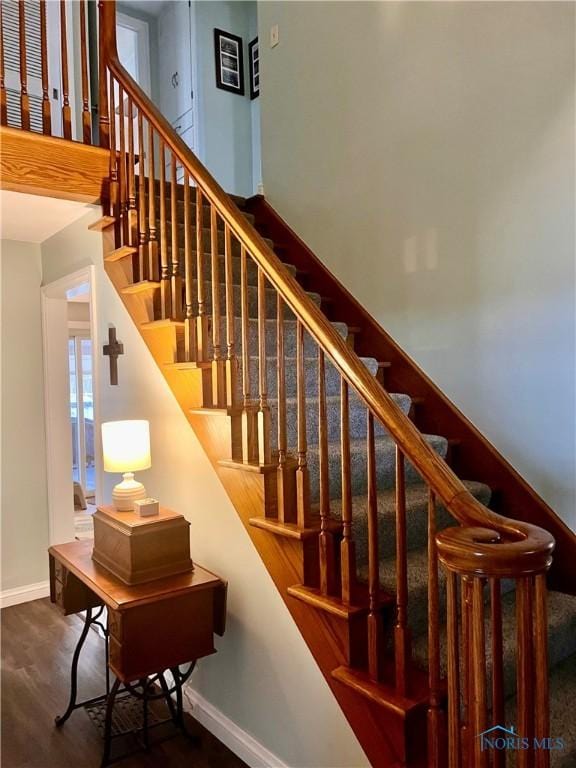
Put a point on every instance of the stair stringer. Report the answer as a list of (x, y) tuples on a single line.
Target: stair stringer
[(388, 735)]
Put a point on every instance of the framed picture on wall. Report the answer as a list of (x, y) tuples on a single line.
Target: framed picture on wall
[(229, 62), (254, 61)]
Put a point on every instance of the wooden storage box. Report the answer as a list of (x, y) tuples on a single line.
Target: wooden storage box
[(139, 549)]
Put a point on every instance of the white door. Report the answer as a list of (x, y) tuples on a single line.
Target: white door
[(11, 39), (133, 44), (176, 69)]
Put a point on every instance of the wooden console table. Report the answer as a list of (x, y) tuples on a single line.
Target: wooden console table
[(153, 627)]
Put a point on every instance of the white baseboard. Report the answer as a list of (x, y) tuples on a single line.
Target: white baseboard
[(24, 594), (238, 741)]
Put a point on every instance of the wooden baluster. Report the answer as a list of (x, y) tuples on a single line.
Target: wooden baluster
[(285, 507), (103, 115), (375, 628), (165, 302), (478, 659), (325, 540), (176, 279), (114, 186), (435, 724), (132, 212), (46, 111), (3, 104), (524, 669), (202, 317), (66, 111), (24, 97), (231, 362), (142, 227), (499, 757), (466, 736), (401, 630), (249, 443), (218, 362), (86, 120), (302, 474), (453, 668), (152, 239), (122, 168), (541, 689), (263, 417), (190, 351), (347, 545)]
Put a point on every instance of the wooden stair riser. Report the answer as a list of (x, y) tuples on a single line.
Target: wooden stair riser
[(166, 342), (223, 429)]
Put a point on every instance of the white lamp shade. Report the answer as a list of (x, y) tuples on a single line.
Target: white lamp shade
[(126, 445)]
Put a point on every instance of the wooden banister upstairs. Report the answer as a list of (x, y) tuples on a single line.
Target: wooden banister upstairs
[(43, 34), (235, 383)]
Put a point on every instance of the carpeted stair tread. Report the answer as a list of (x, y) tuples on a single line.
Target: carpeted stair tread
[(332, 378), (310, 346), (252, 296), (561, 635), (205, 218), (562, 717), (385, 450), (205, 208), (417, 567), (416, 518), (207, 241), (357, 416), (251, 271)]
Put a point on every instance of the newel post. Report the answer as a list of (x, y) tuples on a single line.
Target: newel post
[(475, 558), (107, 45)]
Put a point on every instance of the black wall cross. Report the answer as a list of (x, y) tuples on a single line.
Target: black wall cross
[(113, 349)]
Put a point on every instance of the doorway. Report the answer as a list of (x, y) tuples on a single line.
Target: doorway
[(71, 404), (81, 404), (133, 44)]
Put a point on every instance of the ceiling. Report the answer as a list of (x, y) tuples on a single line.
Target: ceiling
[(33, 219), (151, 7)]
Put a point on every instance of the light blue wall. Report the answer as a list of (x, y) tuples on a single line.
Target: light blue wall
[(225, 119), (254, 106)]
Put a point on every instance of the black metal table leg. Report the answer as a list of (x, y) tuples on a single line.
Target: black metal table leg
[(179, 704), (168, 697), (108, 723), (145, 738), (61, 719), (179, 680)]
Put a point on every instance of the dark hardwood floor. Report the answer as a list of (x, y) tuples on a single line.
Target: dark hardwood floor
[(37, 646)]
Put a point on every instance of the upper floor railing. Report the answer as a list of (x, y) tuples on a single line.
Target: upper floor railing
[(48, 50)]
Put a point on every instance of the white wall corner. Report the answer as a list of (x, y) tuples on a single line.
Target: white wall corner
[(24, 594), (244, 746)]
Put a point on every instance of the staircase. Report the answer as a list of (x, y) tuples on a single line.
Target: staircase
[(416, 563), (427, 612)]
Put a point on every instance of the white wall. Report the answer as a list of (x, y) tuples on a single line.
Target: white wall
[(23, 466), (263, 678), (425, 151)]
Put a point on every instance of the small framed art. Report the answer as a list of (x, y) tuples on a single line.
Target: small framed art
[(254, 62), (229, 62)]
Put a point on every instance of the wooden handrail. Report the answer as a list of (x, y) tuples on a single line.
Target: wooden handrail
[(487, 543)]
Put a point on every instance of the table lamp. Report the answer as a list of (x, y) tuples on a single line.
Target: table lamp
[(126, 448)]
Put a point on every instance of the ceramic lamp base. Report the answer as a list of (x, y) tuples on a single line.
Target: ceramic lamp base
[(127, 492)]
